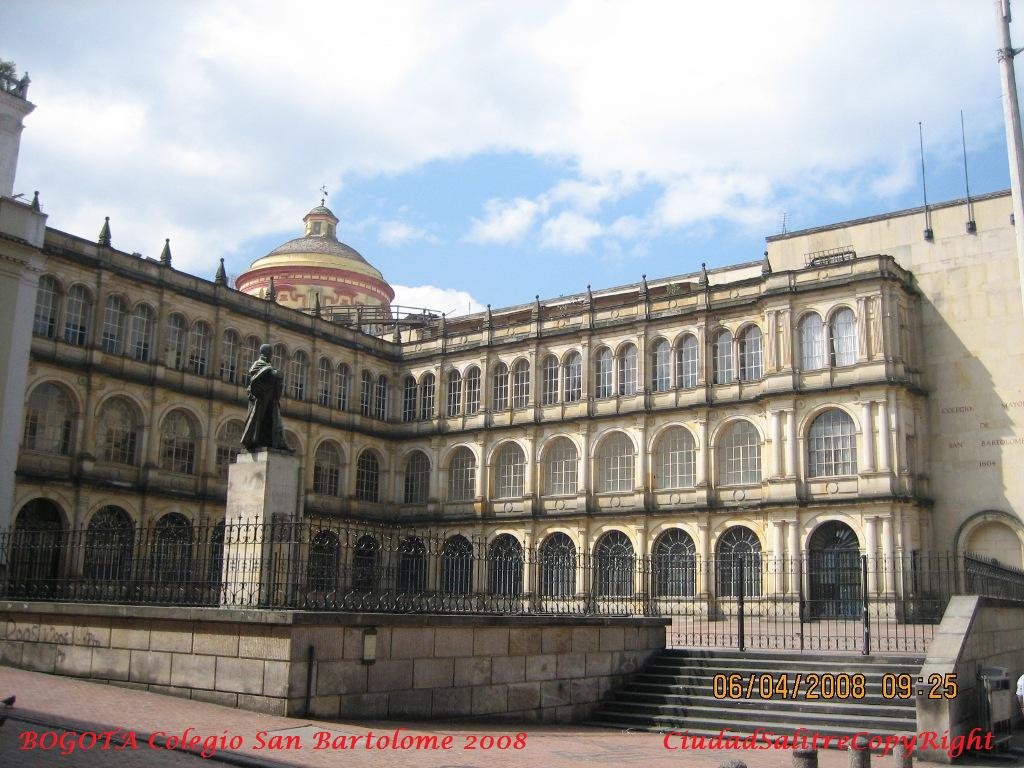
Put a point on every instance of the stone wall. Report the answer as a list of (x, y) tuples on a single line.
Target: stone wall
[(522, 668)]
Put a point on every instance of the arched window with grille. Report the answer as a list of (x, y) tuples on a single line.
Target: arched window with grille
[(549, 374), (175, 342), (368, 477), (297, 380), (499, 390), (366, 393), (832, 445), (215, 561), (738, 562), (572, 377), (412, 565), (472, 391), (722, 356), (661, 366), (47, 308), (509, 472), (229, 444), (171, 554), (457, 566), (324, 373), (615, 462), (751, 359), (279, 358), (380, 398), (199, 348), (505, 571), (114, 313), (118, 429), (557, 566), (178, 444), (109, 543), (603, 373), (453, 401), (561, 467), (416, 482), (614, 565), (674, 564), (327, 469), (341, 385), (366, 564), (739, 454), (462, 475), (627, 370), (675, 459), (37, 550), (77, 315), (428, 386), (250, 353), (812, 342), (324, 565), (842, 334), (409, 398), (687, 363), (140, 332), (49, 421), (521, 384), (230, 347)]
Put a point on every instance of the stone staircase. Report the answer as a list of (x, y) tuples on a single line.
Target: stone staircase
[(676, 691)]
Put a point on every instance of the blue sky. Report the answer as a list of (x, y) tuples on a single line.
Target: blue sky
[(484, 153)]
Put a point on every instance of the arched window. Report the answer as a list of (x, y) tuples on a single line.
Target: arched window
[(366, 564), (229, 444), (428, 385), (722, 348), (751, 366), (380, 398), (47, 307), (675, 459), (603, 373), (175, 341), (505, 574), (297, 383), (215, 560), (368, 477), (549, 371), (842, 332), (324, 371), (417, 478), (250, 353), (462, 475), (178, 444), (327, 469), (36, 550), (615, 563), (453, 403), (687, 363), (739, 455), (457, 566), (561, 471), (199, 348), (412, 565), (171, 556), (509, 472), (117, 432), (230, 348), (472, 391), (409, 398), (113, 326), (674, 566), (109, 541), (341, 379), (812, 342), (572, 377), (49, 421), (832, 445), (366, 393), (738, 552), (557, 566), (279, 357), (627, 370), (78, 315), (140, 332), (324, 565), (521, 384), (500, 389), (615, 462), (661, 366)]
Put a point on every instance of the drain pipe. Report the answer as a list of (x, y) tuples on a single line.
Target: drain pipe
[(310, 657)]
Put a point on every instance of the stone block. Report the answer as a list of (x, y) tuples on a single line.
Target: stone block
[(599, 663), (126, 633), (453, 641), (523, 696), (612, 639), (390, 676), (409, 704), (223, 698), (584, 691), (630, 638), (572, 665), (564, 715), (490, 641), (170, 690), (433, 673), (473, 671), (365, 706), (324, 706), (452, 702), (508, 669), (523, 642), (92, 635), (39, 657), (556, 640), (541, 667), (10, 652), (412, 643), (353, 643), (265, 643), (110, 663), (193, 671), (490, 699), (130, 685), (340, 677), (585, 639), (275, 678), (175, 640), (73, 660), (555, 693), (239, 675), (150, 667), (268, 705), (215, 639)]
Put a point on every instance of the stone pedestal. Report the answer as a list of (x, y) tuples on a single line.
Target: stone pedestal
[(260, 535)]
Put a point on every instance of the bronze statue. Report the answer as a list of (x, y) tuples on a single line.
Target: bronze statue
[(263, 427)]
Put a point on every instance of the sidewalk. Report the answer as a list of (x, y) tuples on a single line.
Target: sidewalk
[(45, 702)]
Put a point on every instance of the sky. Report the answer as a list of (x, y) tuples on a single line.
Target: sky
[(483, 153)]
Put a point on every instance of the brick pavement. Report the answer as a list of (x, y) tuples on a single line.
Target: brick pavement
[(92, 706)]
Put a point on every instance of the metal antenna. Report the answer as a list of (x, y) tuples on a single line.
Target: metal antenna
[(972, 226), (928, 234)]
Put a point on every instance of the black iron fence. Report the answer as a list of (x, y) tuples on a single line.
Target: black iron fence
[(838, 599)]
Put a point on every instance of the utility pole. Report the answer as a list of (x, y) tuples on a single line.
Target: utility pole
[(1011, 116)]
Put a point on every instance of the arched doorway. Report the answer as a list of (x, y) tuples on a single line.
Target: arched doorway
[(833, 571), (37, 547)]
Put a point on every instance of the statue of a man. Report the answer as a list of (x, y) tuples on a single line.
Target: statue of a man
[(263, 428)]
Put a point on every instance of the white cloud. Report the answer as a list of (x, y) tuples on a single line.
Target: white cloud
[(448, 300), (504, 222), (569, 231), (402, 233)]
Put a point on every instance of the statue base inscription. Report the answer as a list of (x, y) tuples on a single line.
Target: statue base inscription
[(264, 499)]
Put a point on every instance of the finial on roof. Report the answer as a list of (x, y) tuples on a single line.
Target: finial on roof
[(104, 238), (397, 338), (35, 200), (703, 274), (165, 254), (271, 291), (590, 296), (323, 191), (766, 266), (643, 281), (221, 278), (316, 305)]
